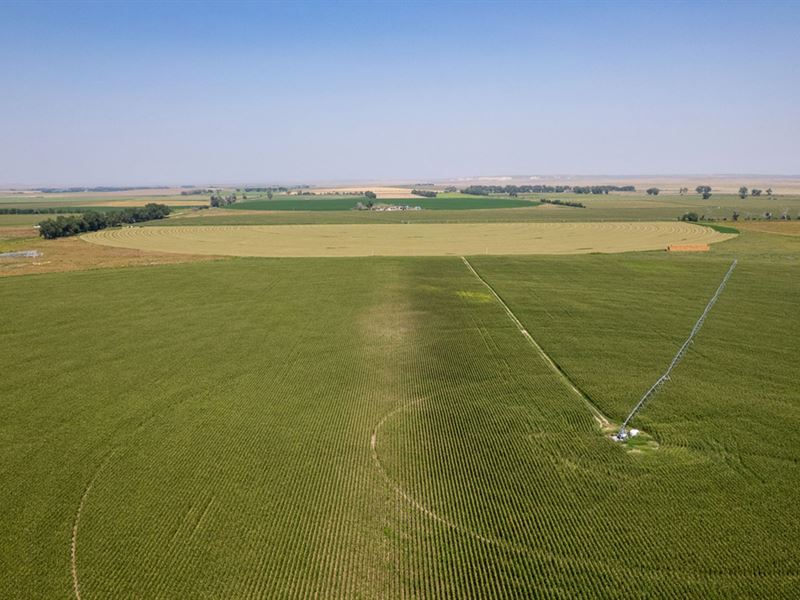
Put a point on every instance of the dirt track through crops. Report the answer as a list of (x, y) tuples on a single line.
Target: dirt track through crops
[(601, 419)]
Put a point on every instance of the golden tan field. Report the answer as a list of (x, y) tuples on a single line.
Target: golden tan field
[(381, 191), (408, 239), (73, 254), (166, 191), (688, 248), (197, 201)]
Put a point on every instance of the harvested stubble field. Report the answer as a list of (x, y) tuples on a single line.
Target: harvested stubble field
[(73, 254), (409, 239), (379, 428)]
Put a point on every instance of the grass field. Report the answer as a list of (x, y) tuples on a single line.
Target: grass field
[(226, 430), (21, 220), (614, 207), (410, 239), (779, 227)]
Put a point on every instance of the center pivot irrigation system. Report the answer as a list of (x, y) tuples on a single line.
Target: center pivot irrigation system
[(624, 433)]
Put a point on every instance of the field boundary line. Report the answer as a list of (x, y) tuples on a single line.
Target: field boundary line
[(598, 415), (74, 544)]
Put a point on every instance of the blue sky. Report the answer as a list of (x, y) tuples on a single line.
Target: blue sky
[(126, 93)]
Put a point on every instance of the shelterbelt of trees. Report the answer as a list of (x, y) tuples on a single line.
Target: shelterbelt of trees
[(513, 190), (562, 202), (94, 221), (602, 189)]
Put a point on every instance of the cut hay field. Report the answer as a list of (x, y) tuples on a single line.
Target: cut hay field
[(378, 427), (409, 239), (73, 254)]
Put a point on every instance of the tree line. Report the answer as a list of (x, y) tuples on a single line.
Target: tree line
[(199, 192), (705, 191), (424, 193), (602, 189), (754, 192), (736, 216), (218, 200), (562, 202), (64, 226), (512, 190)]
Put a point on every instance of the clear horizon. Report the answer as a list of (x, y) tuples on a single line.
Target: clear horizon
[(178, 94)]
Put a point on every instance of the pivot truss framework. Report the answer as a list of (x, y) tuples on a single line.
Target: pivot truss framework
[(623, 431)]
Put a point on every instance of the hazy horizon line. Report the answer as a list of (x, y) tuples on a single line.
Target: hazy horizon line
[(398, 181)]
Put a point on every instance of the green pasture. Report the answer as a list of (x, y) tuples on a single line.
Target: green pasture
[(614, 207), (20, 221)]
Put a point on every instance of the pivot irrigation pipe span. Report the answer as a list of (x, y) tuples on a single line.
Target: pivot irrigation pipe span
[(623, 431)]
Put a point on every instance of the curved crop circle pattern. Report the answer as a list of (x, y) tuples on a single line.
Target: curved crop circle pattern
[(428, 239)]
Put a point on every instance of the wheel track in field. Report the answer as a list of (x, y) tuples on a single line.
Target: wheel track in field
[(373, 444), (103, 463), (553, 558), (442, 520), (74, 542), (542, 555), (547, 556), (418, 505), (450, 524), (602, 420)]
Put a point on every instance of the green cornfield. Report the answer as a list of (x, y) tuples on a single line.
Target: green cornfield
[(378, 428)]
